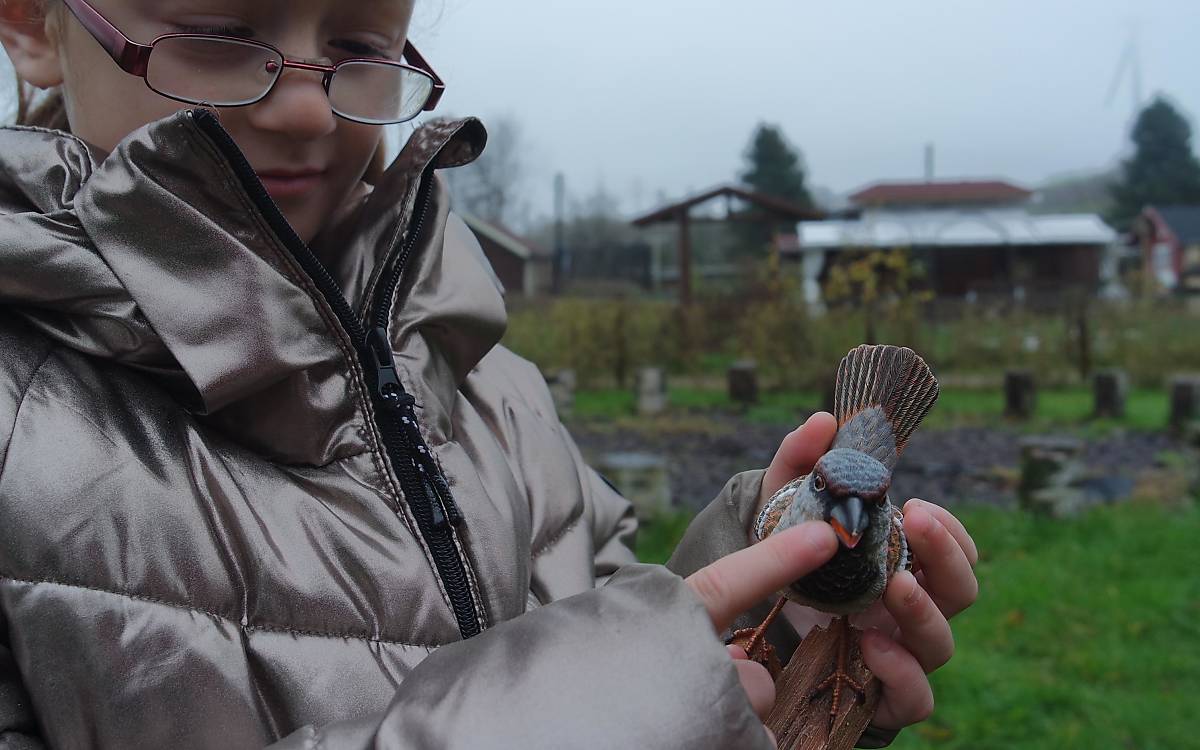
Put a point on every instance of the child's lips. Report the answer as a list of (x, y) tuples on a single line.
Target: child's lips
[(290, 183)]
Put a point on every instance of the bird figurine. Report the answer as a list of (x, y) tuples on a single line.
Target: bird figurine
[(880, 397)]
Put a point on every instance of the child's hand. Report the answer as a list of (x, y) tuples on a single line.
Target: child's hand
[(737, 582), (909, 631)]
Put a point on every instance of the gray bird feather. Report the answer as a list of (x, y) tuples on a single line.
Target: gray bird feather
[(881, 395)]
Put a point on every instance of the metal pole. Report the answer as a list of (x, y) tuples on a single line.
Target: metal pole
[(560, 246)]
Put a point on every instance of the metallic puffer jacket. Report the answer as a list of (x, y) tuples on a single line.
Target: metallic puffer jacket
[(219, 526)]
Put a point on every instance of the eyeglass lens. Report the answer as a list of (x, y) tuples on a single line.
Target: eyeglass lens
[(227, 72)]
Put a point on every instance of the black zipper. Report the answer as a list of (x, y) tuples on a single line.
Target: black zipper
[(421, 479)]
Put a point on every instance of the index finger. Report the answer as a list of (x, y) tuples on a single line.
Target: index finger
[(737, 582)]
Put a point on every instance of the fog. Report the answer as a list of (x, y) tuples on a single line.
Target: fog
[(650, 97)]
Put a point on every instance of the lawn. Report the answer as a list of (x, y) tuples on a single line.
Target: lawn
[(1086, 633), (1146, 409)]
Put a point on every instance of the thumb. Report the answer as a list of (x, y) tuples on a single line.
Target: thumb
[(798, 452)]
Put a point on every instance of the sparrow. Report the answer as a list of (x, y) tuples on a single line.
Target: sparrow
[(880, 397)]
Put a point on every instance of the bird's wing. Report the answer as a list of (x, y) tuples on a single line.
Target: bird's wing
[(768, 518)]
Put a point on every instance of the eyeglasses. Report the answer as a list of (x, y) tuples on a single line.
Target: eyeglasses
[(224, 71)]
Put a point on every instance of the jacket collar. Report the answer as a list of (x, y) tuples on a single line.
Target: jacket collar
[(155, 257)]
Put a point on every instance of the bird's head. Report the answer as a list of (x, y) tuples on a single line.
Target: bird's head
[(850, 488)]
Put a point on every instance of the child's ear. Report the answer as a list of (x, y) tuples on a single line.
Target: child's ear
[(26, 33)]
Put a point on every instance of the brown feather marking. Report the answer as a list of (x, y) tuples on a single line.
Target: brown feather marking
[(893, 549)]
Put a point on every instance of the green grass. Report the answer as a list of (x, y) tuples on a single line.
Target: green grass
[(1086, 633), (1146, 409)]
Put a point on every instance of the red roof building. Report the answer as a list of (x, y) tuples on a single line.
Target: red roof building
[(925, 194)]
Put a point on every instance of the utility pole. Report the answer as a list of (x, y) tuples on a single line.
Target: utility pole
[(560, 246)]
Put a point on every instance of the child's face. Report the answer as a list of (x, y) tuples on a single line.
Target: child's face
[(311, 161)]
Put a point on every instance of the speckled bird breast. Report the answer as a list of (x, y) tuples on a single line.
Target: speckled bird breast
[(854, 578)]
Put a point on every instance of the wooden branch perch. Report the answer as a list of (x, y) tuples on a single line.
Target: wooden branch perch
[(801, 722)]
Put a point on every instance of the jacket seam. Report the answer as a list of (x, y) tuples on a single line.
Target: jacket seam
[(12, 432), (545, 547), (265, 627)]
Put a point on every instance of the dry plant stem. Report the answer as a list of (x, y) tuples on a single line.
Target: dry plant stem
[(803, 718)]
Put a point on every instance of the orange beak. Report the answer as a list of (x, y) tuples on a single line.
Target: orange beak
[(849, 519), (850, 540)]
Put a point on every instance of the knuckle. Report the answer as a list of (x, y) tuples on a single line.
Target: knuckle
[(709, 584), (916, 602)]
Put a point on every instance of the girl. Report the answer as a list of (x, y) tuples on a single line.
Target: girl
[(266, 476)]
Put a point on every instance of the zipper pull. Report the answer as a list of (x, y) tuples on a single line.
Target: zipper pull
[(387, 382)]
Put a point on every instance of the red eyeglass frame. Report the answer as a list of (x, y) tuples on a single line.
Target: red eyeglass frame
[(133, 58)]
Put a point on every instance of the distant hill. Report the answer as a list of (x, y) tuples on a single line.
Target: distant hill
[(827, 199), (1081, 192)]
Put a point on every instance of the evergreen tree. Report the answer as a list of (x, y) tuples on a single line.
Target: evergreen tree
[(773, 167), (1163, 170)]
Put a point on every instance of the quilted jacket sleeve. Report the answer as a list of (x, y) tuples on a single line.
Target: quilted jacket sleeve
[(720, 529), (614, 525), (18, 729), (632, 664)]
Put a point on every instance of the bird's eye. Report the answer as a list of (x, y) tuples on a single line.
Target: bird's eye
[(819, 483)]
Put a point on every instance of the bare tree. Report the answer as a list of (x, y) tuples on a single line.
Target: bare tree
[(490, 188)]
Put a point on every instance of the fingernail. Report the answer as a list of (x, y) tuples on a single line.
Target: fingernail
[(914, 591), (819, 535)]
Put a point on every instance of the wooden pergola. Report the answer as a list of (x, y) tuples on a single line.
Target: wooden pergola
[(763, 209)]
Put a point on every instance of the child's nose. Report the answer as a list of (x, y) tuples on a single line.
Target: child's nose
[(297, 106)]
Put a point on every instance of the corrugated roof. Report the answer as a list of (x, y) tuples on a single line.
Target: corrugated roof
[(931, 193), (950, 228)]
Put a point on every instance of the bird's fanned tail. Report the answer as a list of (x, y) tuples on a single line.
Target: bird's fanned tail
[(878, 386)]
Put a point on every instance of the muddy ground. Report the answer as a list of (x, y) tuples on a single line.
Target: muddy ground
[(952, 467)]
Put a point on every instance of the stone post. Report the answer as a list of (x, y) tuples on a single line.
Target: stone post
[(1109, 390), (1185, 401), (641, 478), (1051, 467), (651, 391), (1020, 394), (743, 383), (562, 385)]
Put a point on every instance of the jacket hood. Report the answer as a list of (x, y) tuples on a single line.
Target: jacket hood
[(156, 257)]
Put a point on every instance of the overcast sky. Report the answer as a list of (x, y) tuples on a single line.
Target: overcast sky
[(654, 97), (645, 96)]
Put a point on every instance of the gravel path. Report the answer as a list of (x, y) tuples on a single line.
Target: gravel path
[(952, 467)]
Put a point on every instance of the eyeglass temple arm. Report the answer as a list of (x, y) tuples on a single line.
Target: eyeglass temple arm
[(128, 54), (418, 61)]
